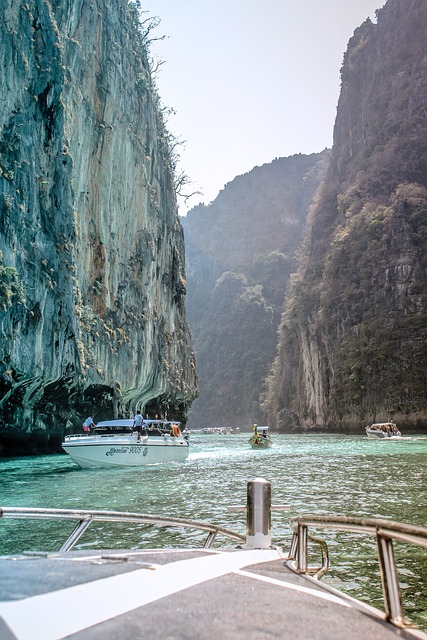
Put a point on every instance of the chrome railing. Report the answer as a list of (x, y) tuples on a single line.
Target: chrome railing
[(385, 532), (86, 518), (258, 535)]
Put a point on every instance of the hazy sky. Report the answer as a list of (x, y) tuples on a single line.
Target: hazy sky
[(250, 80)]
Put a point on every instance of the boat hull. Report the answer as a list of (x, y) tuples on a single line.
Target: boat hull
[(380, 435), (116, 453), (262, 443)]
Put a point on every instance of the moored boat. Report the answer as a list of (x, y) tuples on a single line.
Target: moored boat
[(222, 431), (260, 439), (383, 430), (113, 443)]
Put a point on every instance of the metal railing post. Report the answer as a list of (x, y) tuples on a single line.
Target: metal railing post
[(76, 534), (390, 581), (258, 523), (293, 550), (210, 539), (302, 548)]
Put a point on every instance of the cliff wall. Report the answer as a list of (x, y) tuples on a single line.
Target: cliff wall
[(353, 337), (92, 280), (240, 254)]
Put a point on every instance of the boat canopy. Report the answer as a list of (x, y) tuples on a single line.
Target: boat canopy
[(125, 425), (126, 422), (262, 429)]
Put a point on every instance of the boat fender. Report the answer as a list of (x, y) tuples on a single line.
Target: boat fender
[(176, 431)]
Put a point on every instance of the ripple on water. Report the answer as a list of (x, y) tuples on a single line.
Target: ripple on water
[(326, 474)]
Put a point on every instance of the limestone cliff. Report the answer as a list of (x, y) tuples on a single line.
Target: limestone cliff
[(353, 338), (92, 279), (240, 254)]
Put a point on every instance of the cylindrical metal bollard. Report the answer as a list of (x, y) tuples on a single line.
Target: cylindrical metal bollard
[(258, 528)]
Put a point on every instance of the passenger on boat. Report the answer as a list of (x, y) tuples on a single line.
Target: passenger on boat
[(137, 424), (88, 424), (255, 436)]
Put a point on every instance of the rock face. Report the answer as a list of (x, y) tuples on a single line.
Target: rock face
[(240, 253), (92, 279), (354, 335)]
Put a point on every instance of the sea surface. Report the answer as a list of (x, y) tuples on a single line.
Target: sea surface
[(321, 474)]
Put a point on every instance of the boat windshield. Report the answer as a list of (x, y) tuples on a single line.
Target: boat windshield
[(112, 429)]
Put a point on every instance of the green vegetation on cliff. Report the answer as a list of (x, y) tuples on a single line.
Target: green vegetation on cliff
[(353, 338)]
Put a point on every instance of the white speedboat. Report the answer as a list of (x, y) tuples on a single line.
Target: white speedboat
[(113, 443), (260, 439), (383, 430)]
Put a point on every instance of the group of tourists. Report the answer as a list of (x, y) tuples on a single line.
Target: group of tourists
[(138, 425), (390, 428)]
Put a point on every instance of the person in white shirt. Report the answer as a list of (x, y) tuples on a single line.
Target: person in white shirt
[(137, 424), (87, 424)]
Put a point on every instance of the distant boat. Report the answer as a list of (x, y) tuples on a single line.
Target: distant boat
[(216, 430), (260, 439), (383, 430), (113, 443)]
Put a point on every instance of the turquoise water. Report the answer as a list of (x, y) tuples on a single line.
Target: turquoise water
[(324, 474)]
